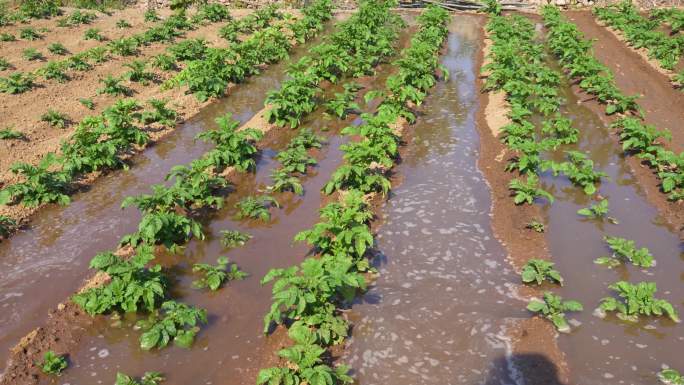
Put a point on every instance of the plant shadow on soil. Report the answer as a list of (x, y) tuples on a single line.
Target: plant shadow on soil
[(526, 368)]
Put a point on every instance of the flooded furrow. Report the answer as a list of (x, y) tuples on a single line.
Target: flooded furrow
[(602, 351), (439, 311), (45, 263), (231, 347)]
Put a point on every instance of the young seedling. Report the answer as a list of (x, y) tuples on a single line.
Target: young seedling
[(150, 378), (93, 34), (537, 226), (138, 73), (17, 83), (4, 64), (87, 103), (10, 134), (123, 46), (58, 49), (528, 191), (55, 118), (637, 300), (164, 62), (539, 270), (52, 363), (113, 86), (7, 37), (284, 181), (670, 377), (553, 308), (295, 159), (123, 24), (598, 211), (625, 250), (256, 207), (29, 34), (175, 322), (78, 62), (215, 276), (234, 238), (151, 15), (160, 113), (7, 224), (32, 54)]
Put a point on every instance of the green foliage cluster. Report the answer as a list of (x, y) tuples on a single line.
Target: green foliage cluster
[(625, 250), (149, 378), (642, 32), (637, 299), (215, 276), (294, 161), (539, 270), (359, 44), (553, 308), (52, 363), (175, 321), (574, 53)]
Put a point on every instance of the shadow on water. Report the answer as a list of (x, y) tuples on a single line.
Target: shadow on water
[(533, 369)]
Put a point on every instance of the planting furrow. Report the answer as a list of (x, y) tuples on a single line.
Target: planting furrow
[(80, 157), (246, 104), (307, 298)]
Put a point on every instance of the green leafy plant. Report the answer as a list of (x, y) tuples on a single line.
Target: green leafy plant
[(123, 24), (670, 377), (29, 33), (234, 148), (527, 191), (234, 238), (93, 34), (55, 118), (132, 285), (17, 83), (625, 250), (123, 46), (598, 211), (553, 308), (149, 378), (215, 276), (7, 37), (164, 62), (637, 300), (137, 72), (175, 322), (160, 113), (39, 9), (79, 62), (343, 103), (58, 49), (87, 103), (7, 224), (4, 64), (39, 185), (284, 181), (539, 270), (9, 134), (151, 15), (32, 54), (537, 226), (52, 363), (256, 207), (295, 159), (113, 86)]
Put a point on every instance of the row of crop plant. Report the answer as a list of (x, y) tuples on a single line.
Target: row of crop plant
[(518, 68), (307, 298), (103, 142)]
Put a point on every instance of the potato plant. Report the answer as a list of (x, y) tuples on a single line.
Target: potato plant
[(40, 185), (53, 363), (598, 211), (553, 308), (256, 207), (55, 118), (234, 238), (637, 299), (215, 276), (539, 270), (625, 250), (149, 378), (175, 322)]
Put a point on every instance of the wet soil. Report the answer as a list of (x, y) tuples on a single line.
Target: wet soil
[(662, 104)]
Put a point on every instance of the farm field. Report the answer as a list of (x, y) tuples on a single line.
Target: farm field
[(310, 195)]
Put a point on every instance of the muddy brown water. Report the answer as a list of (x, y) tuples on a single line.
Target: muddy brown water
[(445, 297), (42, 265), (610, 351)]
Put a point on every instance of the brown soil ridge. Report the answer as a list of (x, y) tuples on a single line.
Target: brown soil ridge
[(533, 336), (663, 105)]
